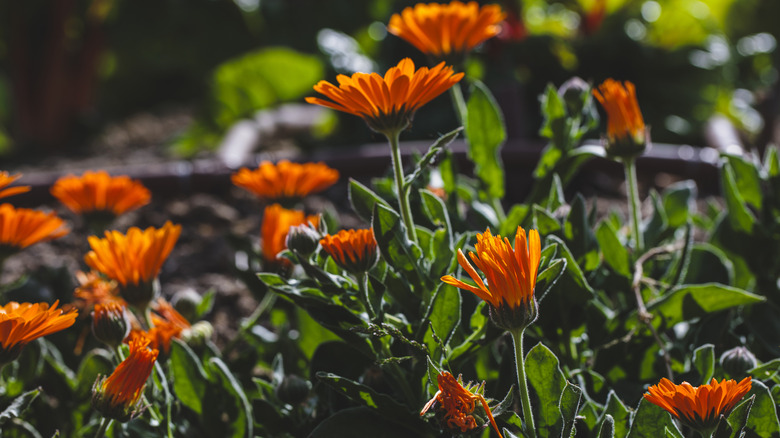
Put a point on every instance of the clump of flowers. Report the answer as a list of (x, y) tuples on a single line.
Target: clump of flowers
[(285, 181), (22, 323), (457, 402)]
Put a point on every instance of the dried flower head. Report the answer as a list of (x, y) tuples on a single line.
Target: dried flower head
[(353, 250), (626, 131), (118, 396), (457, 402), (700, 407), (22, 227), (447, 31), (94, 289), (21, 323), (388, 103), (277, 221), (511, 276), (5, 180), (99, 192), (285, 181)]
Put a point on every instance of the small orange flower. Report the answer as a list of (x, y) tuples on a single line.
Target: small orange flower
[(458, 403), (285, 180), (699, 407), (94, 289), (168, 324), (387, 103), (5, 180), (99, 192), (626, 132), (133, 259), (118, 395), (22, 323), (353, 250), (443, 29), (276, 224), (22, 227)]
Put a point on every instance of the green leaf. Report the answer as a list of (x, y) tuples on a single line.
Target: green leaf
[(18, 406), (362, 422), (619, 413), (445, 315), (704, 361), (569, 404), (737, 420), (546, 378), (96, 362), (433, 152), (396, 249), (572, 267), (686, 302), (436, 211), (679, 201), (651, 421), (238, 416), (189, 377), (206, 303), (486, 133), (546, 279), (740, 217), (363, 199), (763, 415), (607, 427), (615, 253), (749, 181), (544, 221)]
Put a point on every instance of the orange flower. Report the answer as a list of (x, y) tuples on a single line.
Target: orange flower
[(25, 322), (699, 407), (133, 259), (5, 180), (285, 180), (96, 192), (511, 276), (458, 403), (118, 395), (443, 29), (626, 132), (387, 103), (276, 224), (353, 250), (22, 227), (93, 289), (168, 324)]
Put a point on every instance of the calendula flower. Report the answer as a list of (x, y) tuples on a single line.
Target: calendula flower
[(22, 227), (94, 289), (5, 180), (21, 323), (111, 323), (699, 407), (285, 180), (443, 30), (353, 250), (118, 396), (388, 103), (277, 221), (134, 259), (457, 402), (168, 324), (100, 193), (511, 276), (626, 131)]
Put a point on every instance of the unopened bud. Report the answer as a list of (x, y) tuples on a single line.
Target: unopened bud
[(293, 390), (737, 362), (303, 240), (575, 93), (110, 323)]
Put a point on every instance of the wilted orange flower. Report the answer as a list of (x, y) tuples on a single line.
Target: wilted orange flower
[(277, 221), (285, 180), (458, 403), (118, 395), (353, 250), (5, 180), (511, 276), (387, 103), (94, 289), (699, 407), (21, 323), (22, 227), (444, 29), (100, 192), (626, 133)]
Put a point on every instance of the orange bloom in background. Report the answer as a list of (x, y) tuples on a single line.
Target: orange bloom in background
[(626, 132), (94, 289), (700, 407), (353, 250), (21, 323), (511, 276), (443, 29), (5, 180), (458, 403), (22, 227), (285, 180), (168, 324), (277, 221), (387, 103), (118, 395), (100, 192)]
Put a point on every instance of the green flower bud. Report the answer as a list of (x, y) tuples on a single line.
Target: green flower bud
[(738, 361)]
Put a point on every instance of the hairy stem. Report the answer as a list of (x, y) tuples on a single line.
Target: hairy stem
[(525, 397), (403, 194), (634, 204)]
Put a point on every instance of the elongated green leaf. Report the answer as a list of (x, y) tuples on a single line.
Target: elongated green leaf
[(548, 277), (690, 301), (736, 422), (615, 253), (763, 419), (433, 152), (569, 405), (679, 201), (396, 249), (740, 217), (363, 199), (651, 421), (620, 414), (486, 133), (607, 427), (445, 315), (96, 362), (18, 406), (189, 377), (546, 378), (235, 417), (704, 361), (749, 181), (436, 211)]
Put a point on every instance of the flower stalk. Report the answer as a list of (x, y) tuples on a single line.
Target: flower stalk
[(403, 193), (634, 204), (522, 382)]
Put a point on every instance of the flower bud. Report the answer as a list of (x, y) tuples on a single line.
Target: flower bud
[(293, 390), (198, 333), (738, 361), (110, 323), (575, 93), (303, 240), (186, 302), (141, 294)]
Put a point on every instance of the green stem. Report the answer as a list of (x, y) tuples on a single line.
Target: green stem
[(634, 204), (459, 103), (168, 398), (363, 286), (104, 425), (525, 397), (403, 195)]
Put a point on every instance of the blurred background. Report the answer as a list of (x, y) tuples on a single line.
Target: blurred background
[(81, 77)]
